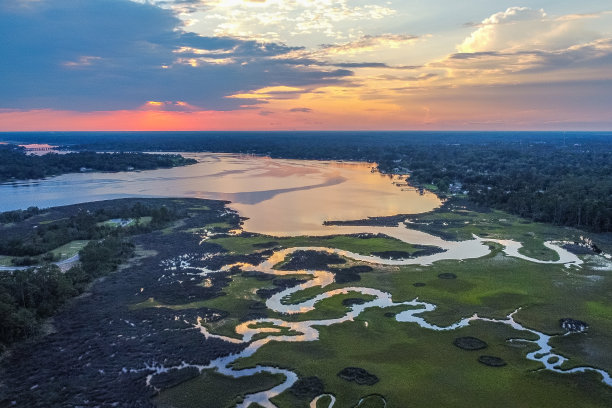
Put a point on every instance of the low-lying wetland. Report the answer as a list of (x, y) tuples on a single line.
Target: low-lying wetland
[(219, 318)]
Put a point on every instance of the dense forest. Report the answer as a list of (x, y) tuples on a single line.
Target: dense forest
[(555, 177), (16, 164)]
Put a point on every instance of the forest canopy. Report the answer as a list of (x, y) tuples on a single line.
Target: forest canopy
[(16, 164)]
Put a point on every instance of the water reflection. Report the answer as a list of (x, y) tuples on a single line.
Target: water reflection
[(280, 197)]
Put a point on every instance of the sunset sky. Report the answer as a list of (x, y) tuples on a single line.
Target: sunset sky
[(305, 64)]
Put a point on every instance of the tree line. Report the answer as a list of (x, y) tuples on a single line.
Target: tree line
[(16, 164)]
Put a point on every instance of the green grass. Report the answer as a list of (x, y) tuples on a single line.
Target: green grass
[(211, 226), (46, 222), (496, 224), (131, 222), (492, 286), (69, 250), (200, 208), (324, 402), (215, 390), (330, 308), (364, 246), (423, 367), (6, 260)]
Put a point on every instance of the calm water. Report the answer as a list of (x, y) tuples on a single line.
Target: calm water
[(280, 197)]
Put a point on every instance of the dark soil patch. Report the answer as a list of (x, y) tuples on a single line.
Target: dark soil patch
[(353, 301), (469, 343), (447, 275), (492, 361), (358, 375), (307, 388)]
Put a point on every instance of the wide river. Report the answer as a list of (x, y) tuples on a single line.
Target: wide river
[(280, 197)]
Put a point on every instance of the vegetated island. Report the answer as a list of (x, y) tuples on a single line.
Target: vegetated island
[(15, 164)]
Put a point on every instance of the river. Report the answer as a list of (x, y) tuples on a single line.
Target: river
[(289, 198), (280, 197)]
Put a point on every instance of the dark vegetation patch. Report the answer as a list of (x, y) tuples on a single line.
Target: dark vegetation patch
[(360, 268), (469, 343), (419, 284), (572, 325), (390, 221), (351, 274), (393, 254), (582, 249), (253, 316), (311, 260), (308, 388), (267, 293), (353, 301), (37, 235), (346, 276), (358, 375), (447, 275), (217, 262), (100, 347), (260, 276), (421, 250), (390, 314), (285, 283), (492, 361), (257, 306)]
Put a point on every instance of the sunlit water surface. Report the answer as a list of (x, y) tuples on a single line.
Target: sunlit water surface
[(280, 197)]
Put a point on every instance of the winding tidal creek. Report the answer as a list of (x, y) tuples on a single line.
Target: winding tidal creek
[(306, 330)]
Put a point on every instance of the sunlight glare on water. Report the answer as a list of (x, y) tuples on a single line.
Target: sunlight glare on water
[(280, 197)]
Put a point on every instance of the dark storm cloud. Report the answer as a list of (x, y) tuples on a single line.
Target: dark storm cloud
[(117, 54)]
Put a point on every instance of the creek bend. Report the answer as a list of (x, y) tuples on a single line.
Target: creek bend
[(307, 331)]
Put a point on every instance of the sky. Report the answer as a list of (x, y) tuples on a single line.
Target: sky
[(305, 65)]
